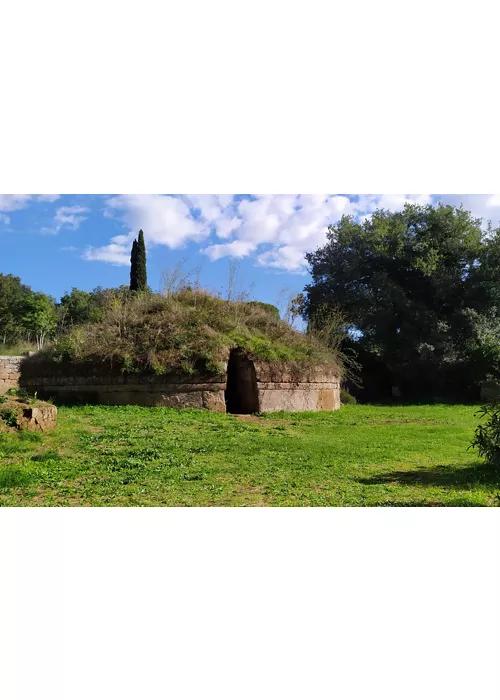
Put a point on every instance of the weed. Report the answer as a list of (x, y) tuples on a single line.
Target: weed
[(10, 477), (9, 416)]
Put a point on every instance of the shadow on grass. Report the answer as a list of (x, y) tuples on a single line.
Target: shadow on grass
[(451, 476), (454, 503)]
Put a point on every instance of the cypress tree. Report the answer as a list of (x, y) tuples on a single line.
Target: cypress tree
[(142, 277), (133, 268)]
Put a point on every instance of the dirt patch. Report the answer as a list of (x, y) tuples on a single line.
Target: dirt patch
[(257, 420)]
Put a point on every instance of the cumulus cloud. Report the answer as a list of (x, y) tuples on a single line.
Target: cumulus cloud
[(47, 197), (485, 206), (67, 217), (166, 220), (112, 253), (13, 202), (275, 230)]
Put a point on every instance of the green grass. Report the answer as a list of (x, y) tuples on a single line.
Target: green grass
[(358, 456), (21, 348)]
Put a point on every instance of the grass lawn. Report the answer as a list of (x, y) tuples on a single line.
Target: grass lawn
[(358, 456)]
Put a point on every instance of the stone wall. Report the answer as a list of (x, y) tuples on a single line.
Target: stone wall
[(277, 388), (124, 389), (9, 372), (317, 389)]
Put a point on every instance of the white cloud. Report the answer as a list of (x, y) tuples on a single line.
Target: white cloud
[(165, 220), (13, 202), (112, 253), (5, 219), (276, 230), (290, 225), (47, 197), (67, 217), (486, 206), (235, 249)]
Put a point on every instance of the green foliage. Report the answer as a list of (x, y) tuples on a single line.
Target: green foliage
[(11, 477), (134, 283), (79, 307), (40, 317), (9, 416), (346, 397), (270, 308), (142, 277), (138, 271), (416, 289), (24, 395), (487, 436), (189, 331), (13, 296)]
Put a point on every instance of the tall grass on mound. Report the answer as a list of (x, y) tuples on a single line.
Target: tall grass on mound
[(189, 331)]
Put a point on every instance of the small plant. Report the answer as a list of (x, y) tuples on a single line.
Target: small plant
[(9, 416), (346, 397), (23, 395), (10, 477), (487, 435)]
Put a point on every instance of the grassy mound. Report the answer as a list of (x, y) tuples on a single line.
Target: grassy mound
[(188, 332)]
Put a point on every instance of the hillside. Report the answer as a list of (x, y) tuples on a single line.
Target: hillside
[(188, 332)]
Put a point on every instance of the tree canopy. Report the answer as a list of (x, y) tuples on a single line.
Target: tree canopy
[(419, 291)]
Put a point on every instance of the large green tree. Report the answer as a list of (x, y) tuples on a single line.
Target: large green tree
[(13, 295), (40, 317), (77, 307), (418, 289)]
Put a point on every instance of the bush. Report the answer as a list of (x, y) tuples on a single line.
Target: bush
[(487, 435), (9, 416), (346, 397)]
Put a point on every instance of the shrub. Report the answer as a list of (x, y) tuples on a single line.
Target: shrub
[(9, 416), (270, 308), (346, 397), (487, 435)]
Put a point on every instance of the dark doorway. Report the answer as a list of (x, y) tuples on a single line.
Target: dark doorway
[(241, 389)]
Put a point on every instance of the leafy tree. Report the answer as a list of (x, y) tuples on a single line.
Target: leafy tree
[(142, 277), (12, 296), (40, 317), (416, 288), (78, 307)]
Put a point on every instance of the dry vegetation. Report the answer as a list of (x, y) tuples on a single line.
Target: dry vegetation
[(189, 331)]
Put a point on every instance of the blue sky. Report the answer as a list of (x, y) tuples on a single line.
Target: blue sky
[(56, 242)]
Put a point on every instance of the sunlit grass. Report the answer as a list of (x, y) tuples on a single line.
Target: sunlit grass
[(358, 456)]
